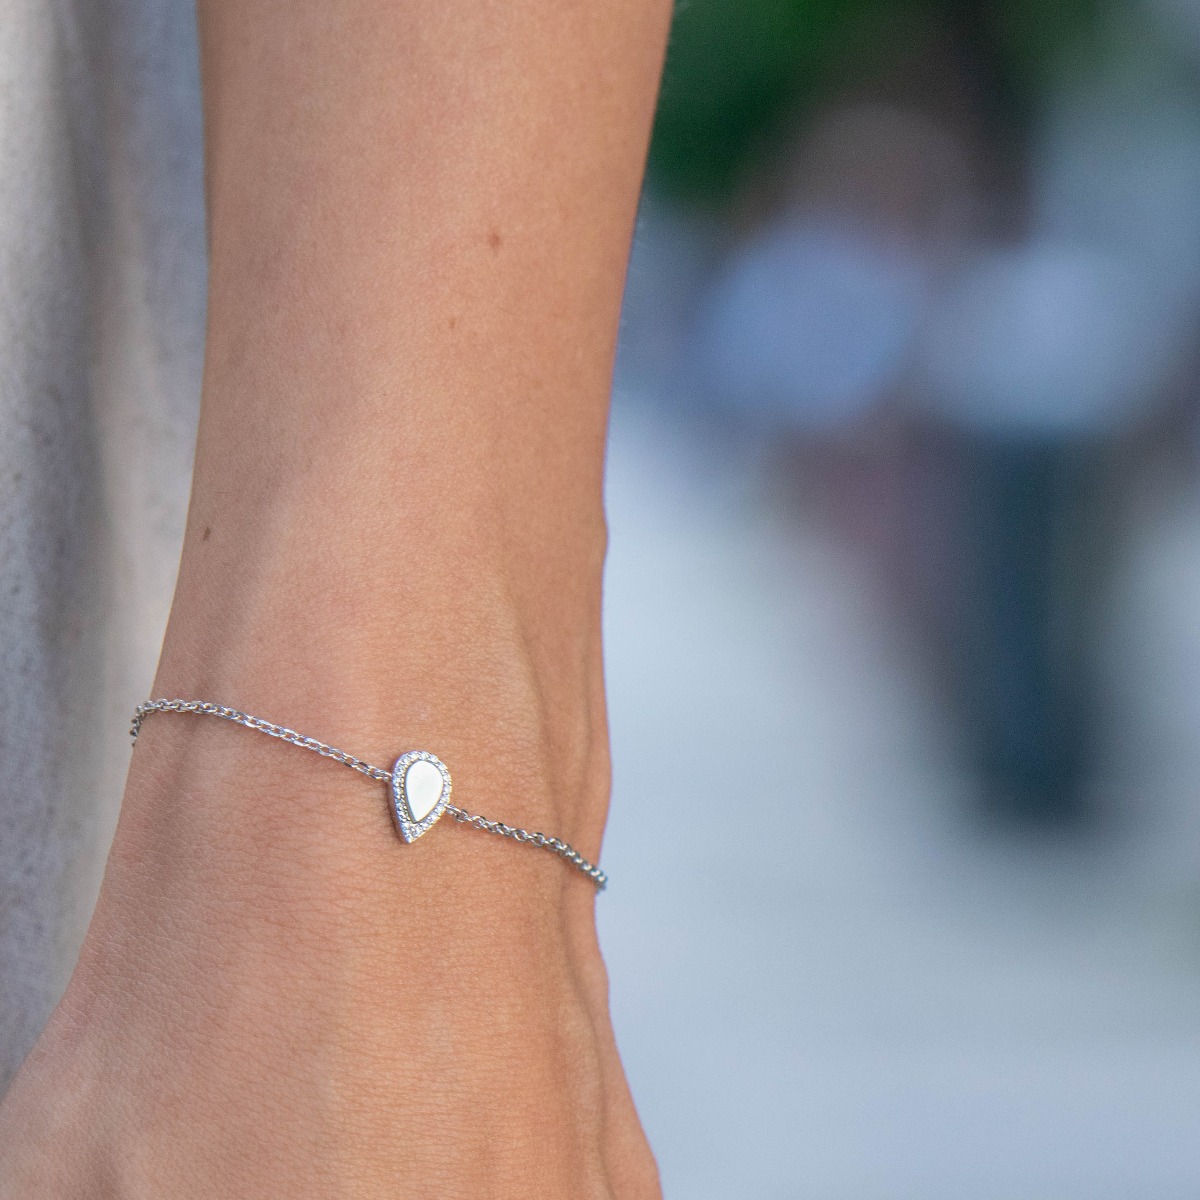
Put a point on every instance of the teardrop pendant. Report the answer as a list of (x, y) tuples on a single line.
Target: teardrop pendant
[(420, 792)]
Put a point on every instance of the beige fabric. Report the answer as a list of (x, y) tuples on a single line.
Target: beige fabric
[(101, 315)]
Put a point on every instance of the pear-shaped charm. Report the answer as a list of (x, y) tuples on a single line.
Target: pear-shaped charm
[(420, 792)]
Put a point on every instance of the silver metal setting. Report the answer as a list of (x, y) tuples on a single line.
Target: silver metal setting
[(542, 840), (410, 828)]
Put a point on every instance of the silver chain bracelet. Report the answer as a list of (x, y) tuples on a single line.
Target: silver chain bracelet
[(419, 782)]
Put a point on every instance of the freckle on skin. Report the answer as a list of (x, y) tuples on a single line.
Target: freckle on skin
[(495, 240), (453, 322), (207, 531)]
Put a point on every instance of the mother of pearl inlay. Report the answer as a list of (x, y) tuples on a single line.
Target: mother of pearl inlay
[(422, 788)]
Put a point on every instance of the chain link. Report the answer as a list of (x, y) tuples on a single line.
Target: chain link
[(283, 733), (553, 844)]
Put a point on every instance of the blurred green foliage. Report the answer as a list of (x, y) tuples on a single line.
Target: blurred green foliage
[(1032, 34), (738, 70)]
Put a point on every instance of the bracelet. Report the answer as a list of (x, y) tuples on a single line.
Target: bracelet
[(419, 782)]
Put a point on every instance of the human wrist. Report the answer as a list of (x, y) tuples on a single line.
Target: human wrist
[(272, 883), (381, 645)]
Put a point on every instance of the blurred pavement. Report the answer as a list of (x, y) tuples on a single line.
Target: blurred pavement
[(826, 982)]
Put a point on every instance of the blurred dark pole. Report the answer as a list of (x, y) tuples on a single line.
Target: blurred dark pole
[(1022, 644), (1021, 650)]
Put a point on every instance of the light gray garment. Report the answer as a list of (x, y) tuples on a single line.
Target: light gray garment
[(101, 334)]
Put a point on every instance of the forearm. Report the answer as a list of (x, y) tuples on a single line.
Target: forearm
[(419, 218)]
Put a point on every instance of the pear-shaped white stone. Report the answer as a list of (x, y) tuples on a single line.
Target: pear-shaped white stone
[(422, 788)]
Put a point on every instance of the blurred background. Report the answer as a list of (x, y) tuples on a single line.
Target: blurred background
[(903, 609), (904, 604)]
